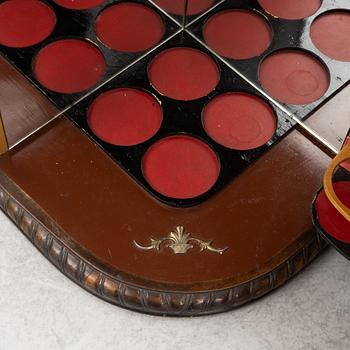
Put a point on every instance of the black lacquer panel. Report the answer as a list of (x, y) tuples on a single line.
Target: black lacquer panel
[(287, 34), (182, 117), (179, 117), (79, 24)]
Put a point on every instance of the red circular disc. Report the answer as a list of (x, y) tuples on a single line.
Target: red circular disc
[(25, 22), (294, 76), (346, 164), (239, 120), (181, 167), (69, 66), (291, 9), (331, 34), (125, 116), (177, 7), (329, 218), (183, 73), (79, 4), (116, 28), (238, 34)]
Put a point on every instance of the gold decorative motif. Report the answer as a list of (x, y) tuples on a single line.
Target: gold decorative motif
[(153, 301), (180, 242)]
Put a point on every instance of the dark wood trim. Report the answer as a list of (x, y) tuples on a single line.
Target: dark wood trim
[(121, 293)]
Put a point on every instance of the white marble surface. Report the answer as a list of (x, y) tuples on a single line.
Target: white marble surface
[(42, 309)]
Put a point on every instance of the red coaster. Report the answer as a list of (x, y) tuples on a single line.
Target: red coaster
[(69, 66), (25, 23), (181, 167)]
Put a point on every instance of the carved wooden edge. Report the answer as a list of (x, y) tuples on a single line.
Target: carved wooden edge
[(147, 300)]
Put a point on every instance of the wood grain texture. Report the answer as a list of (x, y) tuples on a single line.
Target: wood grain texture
[(260, 216), (22, 106), (121, 293), (3, 138), (84, 212)]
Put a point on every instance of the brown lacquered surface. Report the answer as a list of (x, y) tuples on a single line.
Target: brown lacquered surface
[(23, 107), (332, 121), (259, 216), (3, 139), (262, 216)]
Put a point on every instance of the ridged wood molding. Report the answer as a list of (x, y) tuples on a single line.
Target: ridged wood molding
[(145, 300)]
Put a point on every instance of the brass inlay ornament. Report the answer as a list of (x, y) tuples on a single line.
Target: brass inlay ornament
[(180, 242)]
